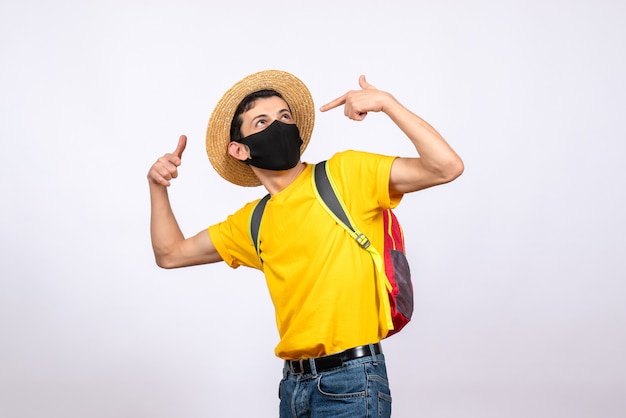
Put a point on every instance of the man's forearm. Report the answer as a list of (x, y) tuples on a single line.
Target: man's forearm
[(435, 153), (164, 230)]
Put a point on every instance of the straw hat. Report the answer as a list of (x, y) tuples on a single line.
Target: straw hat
[(295, 93)]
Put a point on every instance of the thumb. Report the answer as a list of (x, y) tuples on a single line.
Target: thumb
[(182, 143), (364, 84)]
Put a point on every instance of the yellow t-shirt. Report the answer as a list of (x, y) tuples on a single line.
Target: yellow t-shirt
[(322, 283)]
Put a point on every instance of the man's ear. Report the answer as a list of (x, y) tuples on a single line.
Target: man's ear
[(238, 151)]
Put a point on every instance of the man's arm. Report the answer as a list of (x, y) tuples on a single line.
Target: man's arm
[(170, 247), (437, 162)]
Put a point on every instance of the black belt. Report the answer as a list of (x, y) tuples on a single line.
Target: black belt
[(334, 360)]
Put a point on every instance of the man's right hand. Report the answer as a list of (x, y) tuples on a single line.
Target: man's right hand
[(166, 167)]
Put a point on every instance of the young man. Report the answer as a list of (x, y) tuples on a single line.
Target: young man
[(322, 285)]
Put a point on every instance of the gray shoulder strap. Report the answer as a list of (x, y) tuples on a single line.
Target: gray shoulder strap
[(329, 196), (255, 222)]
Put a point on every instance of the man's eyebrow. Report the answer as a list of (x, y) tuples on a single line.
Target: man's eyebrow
[(263, 115), (281, 111)]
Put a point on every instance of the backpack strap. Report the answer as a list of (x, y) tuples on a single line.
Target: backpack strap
[(255, 223), (326, 193), (332, 202)]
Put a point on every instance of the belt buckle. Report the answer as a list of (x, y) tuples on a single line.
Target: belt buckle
[(300, 363)]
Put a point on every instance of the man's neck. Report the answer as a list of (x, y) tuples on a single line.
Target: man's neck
[(277, 181)]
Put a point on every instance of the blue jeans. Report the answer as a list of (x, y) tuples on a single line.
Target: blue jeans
[(357, 389)]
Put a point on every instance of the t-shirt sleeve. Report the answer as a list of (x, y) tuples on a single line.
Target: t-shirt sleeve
[(232, 239), (364, 178)]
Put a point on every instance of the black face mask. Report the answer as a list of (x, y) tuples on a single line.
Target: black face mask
[(276, 147)]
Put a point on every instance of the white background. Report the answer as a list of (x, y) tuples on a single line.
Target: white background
[(518, 264)]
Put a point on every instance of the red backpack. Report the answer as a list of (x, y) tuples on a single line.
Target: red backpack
[(393, 273)]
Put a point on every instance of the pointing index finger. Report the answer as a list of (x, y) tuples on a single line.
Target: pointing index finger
[(334, 103)]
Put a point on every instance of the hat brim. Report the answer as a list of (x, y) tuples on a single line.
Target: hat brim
[(293, 91)]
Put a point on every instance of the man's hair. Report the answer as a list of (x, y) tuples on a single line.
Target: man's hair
[(246, 104)]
